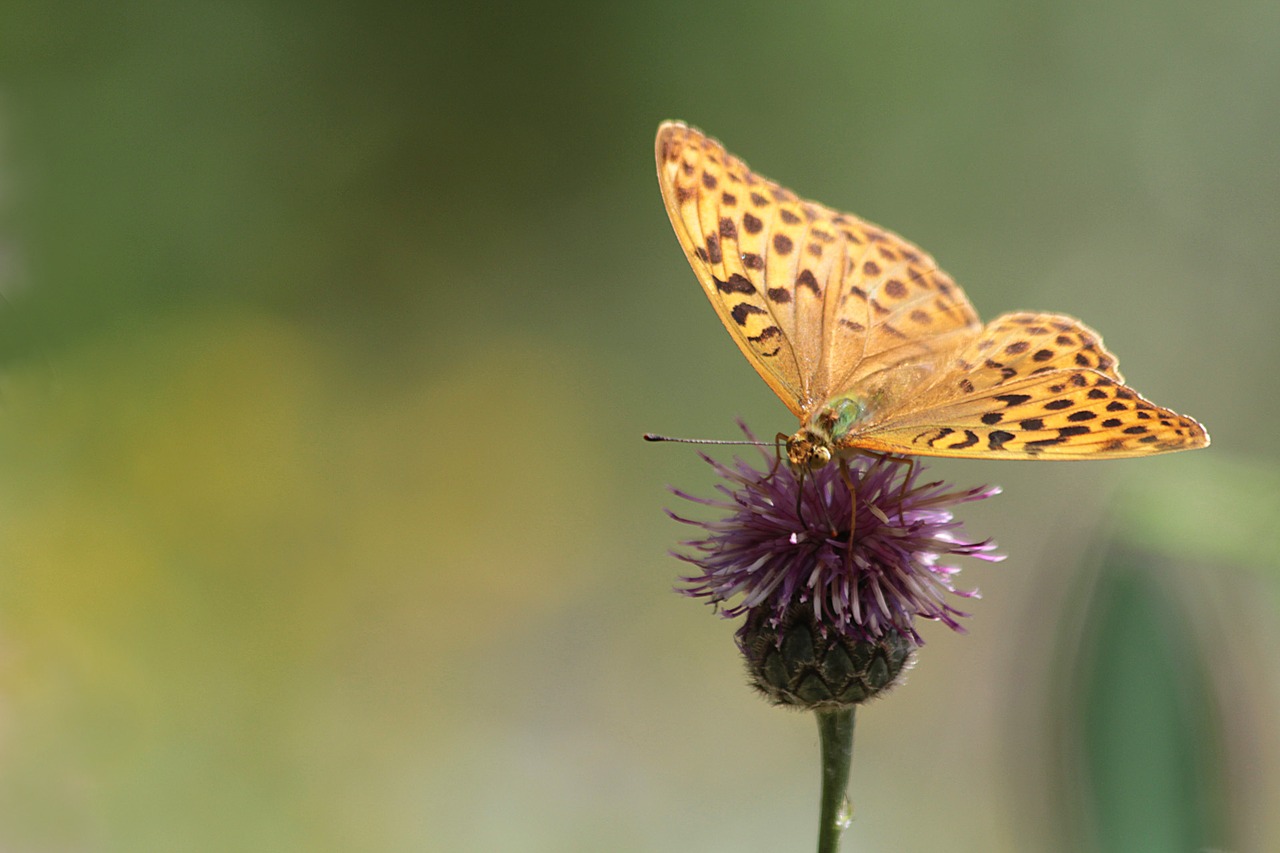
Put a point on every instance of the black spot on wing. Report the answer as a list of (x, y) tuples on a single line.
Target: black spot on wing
[(942, 433), (807, 279), (737, 283), (743, 311), (768, 335)]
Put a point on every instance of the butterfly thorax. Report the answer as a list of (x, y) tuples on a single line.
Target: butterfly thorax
[(818, 441)]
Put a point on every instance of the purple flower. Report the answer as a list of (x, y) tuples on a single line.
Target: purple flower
[(784, 544)]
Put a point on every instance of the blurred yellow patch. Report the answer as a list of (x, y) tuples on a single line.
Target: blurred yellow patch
[(232, 491)]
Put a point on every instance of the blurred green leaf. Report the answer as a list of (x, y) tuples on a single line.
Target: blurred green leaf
[(1153, 781)]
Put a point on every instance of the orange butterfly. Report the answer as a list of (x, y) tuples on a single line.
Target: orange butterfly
[(876, 349)]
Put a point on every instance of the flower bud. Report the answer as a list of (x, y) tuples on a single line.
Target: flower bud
[(799, 662)]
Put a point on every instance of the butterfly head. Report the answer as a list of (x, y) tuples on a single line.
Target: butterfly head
[(807, 451), (814, 444)]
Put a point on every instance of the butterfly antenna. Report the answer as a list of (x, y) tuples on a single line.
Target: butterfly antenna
[(650, 436)]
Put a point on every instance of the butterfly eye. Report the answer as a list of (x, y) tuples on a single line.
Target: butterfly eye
[(819, 457)]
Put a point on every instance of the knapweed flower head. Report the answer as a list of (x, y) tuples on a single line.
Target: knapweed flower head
[(782, 556)]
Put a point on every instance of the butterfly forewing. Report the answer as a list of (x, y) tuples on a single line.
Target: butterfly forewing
[(720, 211), (815, 298)]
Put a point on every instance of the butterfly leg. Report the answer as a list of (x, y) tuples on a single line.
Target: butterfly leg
[(853, 500), (906, 482), (779, 442), (800, 478), (910, 462)]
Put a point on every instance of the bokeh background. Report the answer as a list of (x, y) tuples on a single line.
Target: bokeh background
[(330, 331)]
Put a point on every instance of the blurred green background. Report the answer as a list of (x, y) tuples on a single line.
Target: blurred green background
[(331, 331)]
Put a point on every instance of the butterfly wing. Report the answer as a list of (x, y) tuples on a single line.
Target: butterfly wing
[(823, 303), (814, 298), (1029, 386)]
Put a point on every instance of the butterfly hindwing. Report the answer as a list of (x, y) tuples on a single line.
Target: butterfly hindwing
[(1030, 386), (1098, 418)]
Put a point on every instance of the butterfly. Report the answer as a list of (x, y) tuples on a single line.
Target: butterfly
[(878, 350)]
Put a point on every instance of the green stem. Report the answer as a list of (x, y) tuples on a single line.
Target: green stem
[(835, 731)]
